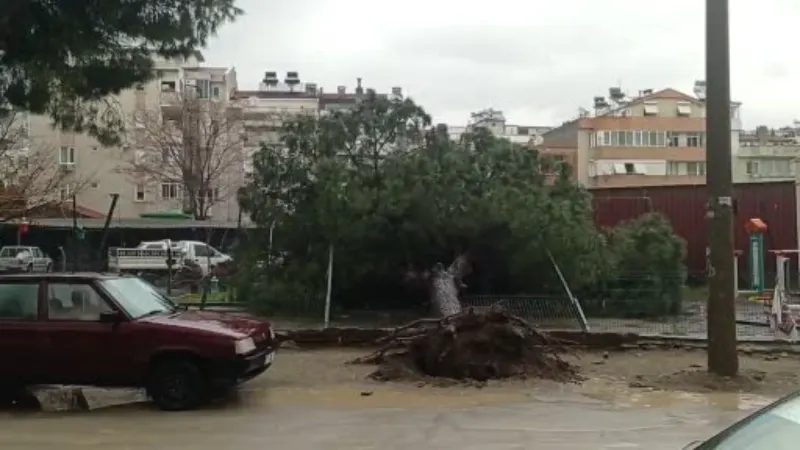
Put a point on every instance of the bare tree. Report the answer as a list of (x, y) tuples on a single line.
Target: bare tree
[(30, 172), (197, 145)]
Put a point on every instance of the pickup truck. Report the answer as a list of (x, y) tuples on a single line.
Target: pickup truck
[(119, 331), (152, 256), (21, 258)]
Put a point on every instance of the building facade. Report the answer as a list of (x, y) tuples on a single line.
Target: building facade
[(96, 172), (495, 121), (767, 155), (263, 111), (651, 139)]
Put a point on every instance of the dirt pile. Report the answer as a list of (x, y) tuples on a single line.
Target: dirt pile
[(471, 345)]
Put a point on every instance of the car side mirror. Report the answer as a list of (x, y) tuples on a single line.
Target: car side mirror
[(110, 317)]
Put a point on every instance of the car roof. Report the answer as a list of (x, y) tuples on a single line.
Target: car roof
[(60, 276)]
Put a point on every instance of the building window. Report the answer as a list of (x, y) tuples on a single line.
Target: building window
[(65, 192), (651, 108), (693, 140), (684, 109), (171, 191), (752, 168), (203, 88), (630, 169), (210, 195), (66, 155), (139, 193), (696, 168), (215, 92), (673, 140), (673, 168)]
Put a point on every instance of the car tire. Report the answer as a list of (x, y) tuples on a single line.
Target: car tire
[(29, 269), (177, 385)]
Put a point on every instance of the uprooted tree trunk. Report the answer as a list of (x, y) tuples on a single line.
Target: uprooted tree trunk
[(445, 284), (470, 345)]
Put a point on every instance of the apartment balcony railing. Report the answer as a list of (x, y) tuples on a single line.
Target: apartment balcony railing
[(769, 151)]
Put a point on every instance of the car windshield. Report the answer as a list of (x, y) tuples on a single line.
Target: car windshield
[(775, 429), (11, 252), (137, 297)]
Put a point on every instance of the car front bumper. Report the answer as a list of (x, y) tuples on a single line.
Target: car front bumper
[(243, 368)]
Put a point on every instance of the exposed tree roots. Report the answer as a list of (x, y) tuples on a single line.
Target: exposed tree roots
[(471, 345)]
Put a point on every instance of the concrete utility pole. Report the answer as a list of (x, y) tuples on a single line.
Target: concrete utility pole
[(722, 355)]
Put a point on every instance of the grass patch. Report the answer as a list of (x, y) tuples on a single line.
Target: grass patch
[(195, 298)]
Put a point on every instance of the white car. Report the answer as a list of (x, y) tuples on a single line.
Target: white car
[(21, 258), (775, 427)]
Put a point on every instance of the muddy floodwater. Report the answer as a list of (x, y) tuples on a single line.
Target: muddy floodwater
[(312, 400)]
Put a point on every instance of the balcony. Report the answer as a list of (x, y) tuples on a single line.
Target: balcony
[(171, 103), (769, 151)]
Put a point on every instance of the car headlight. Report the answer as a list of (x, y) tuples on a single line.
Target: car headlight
[(245, 346)]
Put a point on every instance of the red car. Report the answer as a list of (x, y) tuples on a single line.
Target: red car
[(119, 331)]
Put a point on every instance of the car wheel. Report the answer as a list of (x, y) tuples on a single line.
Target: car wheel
[(176, 385), (29, 268)]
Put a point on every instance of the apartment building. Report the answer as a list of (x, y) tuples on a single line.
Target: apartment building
[(96, 172), (495, 121), (650, 139), (767, 154), (343, 99), (263, 111)]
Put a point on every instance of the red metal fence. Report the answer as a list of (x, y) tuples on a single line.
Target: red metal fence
[(685, 206)]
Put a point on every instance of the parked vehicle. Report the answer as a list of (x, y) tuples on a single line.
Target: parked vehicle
[(18, 258), (775, 427), (152, 256), (120, 331)]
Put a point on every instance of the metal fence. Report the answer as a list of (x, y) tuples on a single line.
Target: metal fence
[(550, 311), (553, 312)]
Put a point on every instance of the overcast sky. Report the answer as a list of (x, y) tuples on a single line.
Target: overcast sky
[(538, 61)]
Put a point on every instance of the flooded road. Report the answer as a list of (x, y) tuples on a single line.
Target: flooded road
[(294, 409)]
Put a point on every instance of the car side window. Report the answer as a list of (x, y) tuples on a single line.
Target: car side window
[(37, 253), (74, 301), (154, 247), (19, 301), (202, 251)]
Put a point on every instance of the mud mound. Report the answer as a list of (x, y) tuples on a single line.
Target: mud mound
[(700, 380), (477, 345)]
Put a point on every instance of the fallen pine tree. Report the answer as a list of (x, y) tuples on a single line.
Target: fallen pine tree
[(470, 345)]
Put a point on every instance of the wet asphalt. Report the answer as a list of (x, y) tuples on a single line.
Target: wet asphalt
[(349, 417)]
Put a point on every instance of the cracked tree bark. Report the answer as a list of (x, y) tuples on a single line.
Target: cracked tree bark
[(445, 286)]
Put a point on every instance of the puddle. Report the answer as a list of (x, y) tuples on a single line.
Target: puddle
[(725, 401), (357, 396)]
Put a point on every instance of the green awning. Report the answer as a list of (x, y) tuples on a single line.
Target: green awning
[(173, 214)]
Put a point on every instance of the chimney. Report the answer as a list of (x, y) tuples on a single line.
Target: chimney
[(359, 89), (341, 89)]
